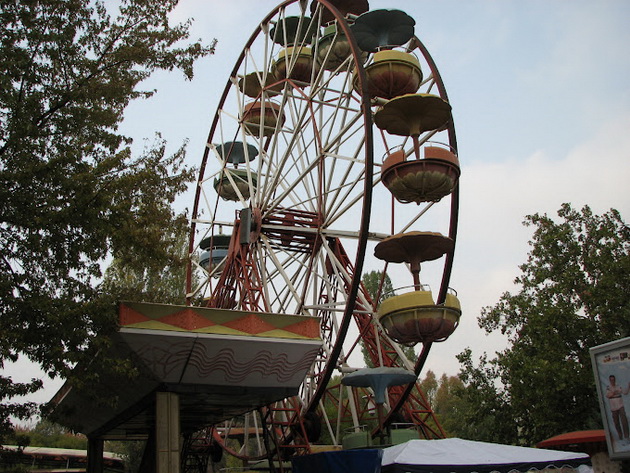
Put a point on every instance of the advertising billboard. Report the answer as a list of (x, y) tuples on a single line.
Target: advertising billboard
[(611, 366)]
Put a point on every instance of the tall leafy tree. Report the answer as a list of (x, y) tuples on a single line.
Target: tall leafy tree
[(480, 410), (445, 403), (71, 192), (572, 295), (430, 385), (447, 397)]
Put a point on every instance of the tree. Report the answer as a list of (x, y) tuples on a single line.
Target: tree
[(572, 296), (150, 282), (429, 386), (379, 286), (446, 397), (49, 434), (71, 193), (445, 403), (480, 411)]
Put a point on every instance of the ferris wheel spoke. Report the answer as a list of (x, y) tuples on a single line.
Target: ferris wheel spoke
[(282, 172), (337, 120), (293, 270), (279, 270), (305, 150), (344, 196), (290, 191)]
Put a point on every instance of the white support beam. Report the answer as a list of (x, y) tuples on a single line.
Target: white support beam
[(167, 433)]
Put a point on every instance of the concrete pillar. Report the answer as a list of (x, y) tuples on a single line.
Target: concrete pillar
[(95, 455), (167, 433)]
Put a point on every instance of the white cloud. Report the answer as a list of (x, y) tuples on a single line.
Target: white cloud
[(492, 241)]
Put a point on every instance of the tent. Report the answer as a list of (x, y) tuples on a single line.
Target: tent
[(459, 456), (587, 441), (440, 456)]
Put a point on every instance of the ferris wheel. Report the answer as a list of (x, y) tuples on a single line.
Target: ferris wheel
[(332, 153)]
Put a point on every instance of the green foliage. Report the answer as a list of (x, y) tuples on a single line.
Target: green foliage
[(44, 434), (445, 398), (445, 403), (71, 193), (572, 296), (331, 407), (131, 452), (49, 434), (150, 282), (17, 436), (429, 386), (378, 285), (480, 410), (8, 463)]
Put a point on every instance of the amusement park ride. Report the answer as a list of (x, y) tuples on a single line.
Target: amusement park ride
[(332, 151)]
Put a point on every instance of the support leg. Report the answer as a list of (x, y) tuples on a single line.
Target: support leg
[(167, 433), (95, 455)]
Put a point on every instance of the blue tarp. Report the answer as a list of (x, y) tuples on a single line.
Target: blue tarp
[(344, 461)]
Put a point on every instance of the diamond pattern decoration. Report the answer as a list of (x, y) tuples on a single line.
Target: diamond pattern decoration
[(251, 323), (150, 316), (307, 328), (129, 316), (187, 319)]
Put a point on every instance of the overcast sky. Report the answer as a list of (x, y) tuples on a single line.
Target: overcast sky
[(540, 92)]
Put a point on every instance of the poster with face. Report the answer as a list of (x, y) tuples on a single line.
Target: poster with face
[(611, 366)]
